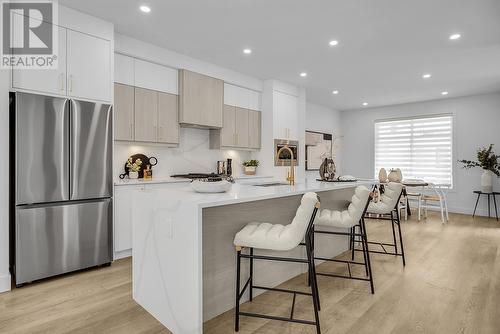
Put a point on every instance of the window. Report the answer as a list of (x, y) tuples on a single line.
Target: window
[(420, 147)]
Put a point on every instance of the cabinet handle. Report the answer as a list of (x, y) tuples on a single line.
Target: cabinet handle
[(160, 132), (70, 84), (131, 131)]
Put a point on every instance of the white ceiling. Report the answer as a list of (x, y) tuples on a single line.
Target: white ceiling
[(384, 45)]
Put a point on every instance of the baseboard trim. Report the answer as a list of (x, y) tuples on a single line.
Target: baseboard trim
[(5, 282), (480, 212), (122, 254)]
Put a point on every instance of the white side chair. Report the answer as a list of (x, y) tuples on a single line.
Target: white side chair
[(435, 198), (350, 218), (388, 209), (277, 237)]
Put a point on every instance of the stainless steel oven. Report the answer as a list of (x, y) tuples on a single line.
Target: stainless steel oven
[(285, 158)]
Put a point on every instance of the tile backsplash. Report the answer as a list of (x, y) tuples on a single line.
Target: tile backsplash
[(192, 155)]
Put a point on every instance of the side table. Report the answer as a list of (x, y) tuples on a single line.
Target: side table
[(492, 194)]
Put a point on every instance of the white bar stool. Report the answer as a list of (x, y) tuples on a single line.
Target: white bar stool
[(350, 218), (277, 237), (388, 209)]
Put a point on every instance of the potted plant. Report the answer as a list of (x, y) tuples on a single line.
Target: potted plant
[(133, 168), (488, 161), (250, 166)]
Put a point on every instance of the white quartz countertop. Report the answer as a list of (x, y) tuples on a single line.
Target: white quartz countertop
[(240, 193), (131, 182), (128, 182)]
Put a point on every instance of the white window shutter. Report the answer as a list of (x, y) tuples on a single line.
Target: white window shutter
[(420, 147)]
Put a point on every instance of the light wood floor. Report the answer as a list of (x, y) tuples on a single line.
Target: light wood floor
[(451, 284)]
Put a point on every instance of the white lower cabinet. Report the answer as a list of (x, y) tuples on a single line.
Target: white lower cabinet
[(123, 220)]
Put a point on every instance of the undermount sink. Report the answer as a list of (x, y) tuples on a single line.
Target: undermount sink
[(271, 184)]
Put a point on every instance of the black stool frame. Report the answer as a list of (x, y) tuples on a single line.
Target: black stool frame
[(366, 255), (249, 283), (394, 217)]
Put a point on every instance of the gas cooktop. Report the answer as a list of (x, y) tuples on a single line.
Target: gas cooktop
[(194, 176)]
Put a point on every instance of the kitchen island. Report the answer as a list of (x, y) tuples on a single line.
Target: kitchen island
[(183, 255)]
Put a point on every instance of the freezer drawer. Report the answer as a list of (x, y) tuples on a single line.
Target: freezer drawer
[(91, 150), (41, 148), (52, 240)]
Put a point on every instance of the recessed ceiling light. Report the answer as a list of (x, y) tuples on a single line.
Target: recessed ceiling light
[(303, 74), (455, 36), (145, 9), (335, 92), (333, 43), (444, 93), (247, 51), (365, 104), (426, 76)]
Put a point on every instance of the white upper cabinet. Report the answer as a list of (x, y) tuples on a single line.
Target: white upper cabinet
[(124, 69), (156, 77), (45, 81), (88, 67), (286, 123), (241, 97), (84, 70)]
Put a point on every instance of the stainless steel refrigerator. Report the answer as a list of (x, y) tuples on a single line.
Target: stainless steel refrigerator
[(61, 185)]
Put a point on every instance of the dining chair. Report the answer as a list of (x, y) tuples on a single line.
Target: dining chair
[(434, 197)]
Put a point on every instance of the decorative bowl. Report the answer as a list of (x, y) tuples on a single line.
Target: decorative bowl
[(211, 186)]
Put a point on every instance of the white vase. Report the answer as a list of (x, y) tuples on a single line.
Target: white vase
[(487, 181), (400, 174), (133, 175), (382, 175), (393, 176)]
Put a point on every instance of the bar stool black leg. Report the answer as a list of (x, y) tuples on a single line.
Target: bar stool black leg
[(398, 221), (237, 308), (394, 233), (364, 239), (311, 274), (489, 215), (495, 202), (365, 248), (475, 207), (251, 275), (353, 231), (314, 286)]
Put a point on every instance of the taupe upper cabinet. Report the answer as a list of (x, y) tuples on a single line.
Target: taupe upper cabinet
[(228, 131), (241, 126), (124, 112), (254, 129), (146, 114), (241, 129), (201, 100), (168, 123)]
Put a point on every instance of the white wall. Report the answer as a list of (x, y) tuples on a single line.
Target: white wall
[(326, 120), (476, 123), (4, 182)]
